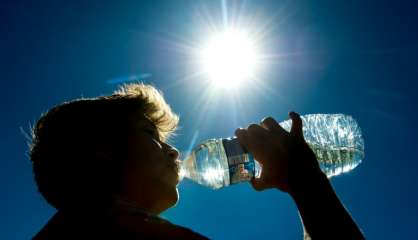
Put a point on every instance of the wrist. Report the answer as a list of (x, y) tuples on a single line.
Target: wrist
[(309, 184)]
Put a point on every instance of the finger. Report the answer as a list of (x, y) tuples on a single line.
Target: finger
[(257, 131), (296, 129), (251, 139), (242, 136), (271, 124), (258, 184)]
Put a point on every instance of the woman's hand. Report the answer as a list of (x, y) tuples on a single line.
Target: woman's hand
[(286, 159)]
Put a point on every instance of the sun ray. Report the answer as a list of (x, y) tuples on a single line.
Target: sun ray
[(229, 25)]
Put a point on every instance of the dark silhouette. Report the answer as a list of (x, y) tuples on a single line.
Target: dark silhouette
[(104, 164)]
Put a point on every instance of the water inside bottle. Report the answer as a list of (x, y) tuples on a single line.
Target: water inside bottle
[(335, 139), (207, 165), (336, 160)]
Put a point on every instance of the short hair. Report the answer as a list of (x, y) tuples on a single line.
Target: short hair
[(78, 147)]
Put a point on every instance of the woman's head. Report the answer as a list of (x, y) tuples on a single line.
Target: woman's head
[(81, 149)]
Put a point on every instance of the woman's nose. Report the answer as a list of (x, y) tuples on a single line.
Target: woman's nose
[(173, 152)]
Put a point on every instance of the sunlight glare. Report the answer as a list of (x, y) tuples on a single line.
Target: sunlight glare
[(213, 175), (229, 59)]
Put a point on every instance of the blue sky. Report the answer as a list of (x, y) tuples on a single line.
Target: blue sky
[(353, 57)]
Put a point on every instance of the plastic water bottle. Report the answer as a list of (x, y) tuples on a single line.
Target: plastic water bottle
[(335, 139)]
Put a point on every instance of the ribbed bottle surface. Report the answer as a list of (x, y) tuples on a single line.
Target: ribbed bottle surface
[(335, 139)]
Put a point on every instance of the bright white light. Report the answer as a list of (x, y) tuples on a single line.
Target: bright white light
[(182, 173), (213, 175), (229, 58)]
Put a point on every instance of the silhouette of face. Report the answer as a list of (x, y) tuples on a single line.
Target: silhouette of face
[(152, 172)]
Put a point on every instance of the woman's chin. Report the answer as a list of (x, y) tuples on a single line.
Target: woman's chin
[(174, 198)]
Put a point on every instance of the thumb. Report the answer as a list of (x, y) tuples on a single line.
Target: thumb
[(258, 184), (242, 137), (296, 129)]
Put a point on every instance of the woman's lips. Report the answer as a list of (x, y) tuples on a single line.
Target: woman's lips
[(176, 169)]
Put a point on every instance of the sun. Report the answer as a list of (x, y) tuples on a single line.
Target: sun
[(229, 58)]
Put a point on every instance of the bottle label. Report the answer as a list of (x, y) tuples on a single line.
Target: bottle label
[(240, 162)]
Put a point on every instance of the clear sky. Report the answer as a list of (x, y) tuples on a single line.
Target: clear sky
[(354, 57)]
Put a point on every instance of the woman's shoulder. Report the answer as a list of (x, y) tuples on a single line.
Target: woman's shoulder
[(113, 225)]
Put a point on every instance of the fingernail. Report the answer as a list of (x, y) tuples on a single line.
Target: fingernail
[(293, 114), (240, 131)]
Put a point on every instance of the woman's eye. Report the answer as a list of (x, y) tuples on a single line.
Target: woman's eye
[(154, 137), (152, 133)]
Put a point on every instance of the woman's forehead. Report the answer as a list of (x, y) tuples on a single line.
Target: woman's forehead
[(142, 121)]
